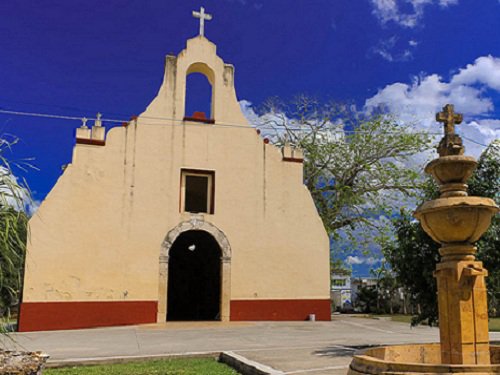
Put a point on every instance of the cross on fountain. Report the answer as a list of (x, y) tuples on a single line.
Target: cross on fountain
[(449, 118), (202, 16), (451, 144)]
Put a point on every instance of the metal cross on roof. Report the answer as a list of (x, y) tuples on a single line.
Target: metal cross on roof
[(449, 118), (202, 16)]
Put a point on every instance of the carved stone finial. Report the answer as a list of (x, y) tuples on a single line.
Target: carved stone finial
[(98, 121), (451, 144), (84, 123), (449, 118)]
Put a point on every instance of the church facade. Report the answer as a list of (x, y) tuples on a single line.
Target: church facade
[(172, 217)]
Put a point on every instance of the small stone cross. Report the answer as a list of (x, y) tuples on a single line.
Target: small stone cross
[(202, 16), (451, 144), (98, 121), (449, 118)]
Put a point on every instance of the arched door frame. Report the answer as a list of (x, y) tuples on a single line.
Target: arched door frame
[(197, 222)]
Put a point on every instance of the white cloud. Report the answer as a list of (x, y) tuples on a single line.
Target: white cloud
[(13, 193), (445, 3), (392, 51), (32, 206), (390, 10), (354, 260), (468, 90), (485, 70), (371, 261), (270, 124), (248, 111), (357, 260)]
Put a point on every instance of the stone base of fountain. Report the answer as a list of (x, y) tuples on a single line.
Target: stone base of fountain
[(416, 359)]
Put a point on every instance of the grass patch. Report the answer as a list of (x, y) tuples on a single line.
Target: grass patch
[(7, 325), (494, 324), (181, 366)]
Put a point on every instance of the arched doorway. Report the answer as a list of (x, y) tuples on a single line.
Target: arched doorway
[(194, 277), (196, 223)]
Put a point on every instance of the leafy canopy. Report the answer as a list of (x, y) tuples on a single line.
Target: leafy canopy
[(13, 231), (355, 164)]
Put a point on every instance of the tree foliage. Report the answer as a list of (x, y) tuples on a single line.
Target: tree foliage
[(13, 231), (486, 183), (413, 258), (380, 297), (368, 299), (413, 255), (354, 163)]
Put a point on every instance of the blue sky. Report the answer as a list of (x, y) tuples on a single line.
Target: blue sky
[(80, 57)]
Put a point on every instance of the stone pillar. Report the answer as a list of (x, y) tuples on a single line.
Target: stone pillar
[(162, 289), (463, 309), (226, 289), (287, 151), (83, 132), (298, 153), (98, 131)]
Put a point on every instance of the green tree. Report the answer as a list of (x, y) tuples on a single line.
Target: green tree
[(367, 299), (386, 288), (413, 258), (13, 234), (413, 255), (354, 164), (13, 231), (486, 183)]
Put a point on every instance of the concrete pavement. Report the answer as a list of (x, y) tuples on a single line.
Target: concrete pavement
[(311, 348)]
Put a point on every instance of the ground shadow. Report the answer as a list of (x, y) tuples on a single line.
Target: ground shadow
[(342, 350)]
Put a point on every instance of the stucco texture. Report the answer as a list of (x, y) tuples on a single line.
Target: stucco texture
[(98, 235)]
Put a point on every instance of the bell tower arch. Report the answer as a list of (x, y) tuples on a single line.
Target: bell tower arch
[(199, 56), (199, 99)]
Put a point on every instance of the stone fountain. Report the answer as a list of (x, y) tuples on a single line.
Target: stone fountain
[(456, 221)]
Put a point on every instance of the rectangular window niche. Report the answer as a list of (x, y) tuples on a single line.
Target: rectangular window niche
[(197, 191)]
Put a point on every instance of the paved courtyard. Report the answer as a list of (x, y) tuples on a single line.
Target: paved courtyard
[(311, 348)]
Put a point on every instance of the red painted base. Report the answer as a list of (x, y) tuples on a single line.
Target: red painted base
[(287, 309), (48, 316)]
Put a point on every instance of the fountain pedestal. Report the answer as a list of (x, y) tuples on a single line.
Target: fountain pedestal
[(463, 312), (455, 221)]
